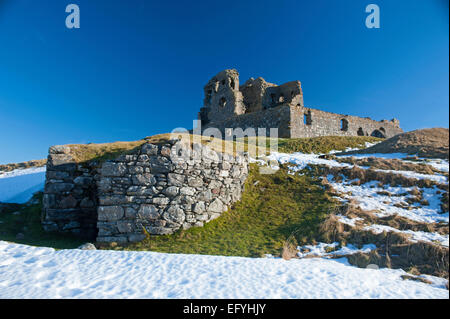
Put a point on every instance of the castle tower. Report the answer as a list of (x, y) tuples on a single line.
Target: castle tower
[(222, 97)]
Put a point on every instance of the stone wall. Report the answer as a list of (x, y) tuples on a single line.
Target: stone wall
[(296, 121), (70, 194), (156, 189), (278, 117), (307, 122)]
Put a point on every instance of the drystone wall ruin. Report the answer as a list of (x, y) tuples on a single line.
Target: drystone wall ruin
[(260, 104), (156, 189)]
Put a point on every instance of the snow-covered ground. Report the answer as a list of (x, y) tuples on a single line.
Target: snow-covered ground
[(381, 200), (19, 185), (31, 272), (302, 160)]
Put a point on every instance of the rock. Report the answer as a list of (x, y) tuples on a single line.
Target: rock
[(130, 212), (171, 191), (199, 207), (160, 200), (113, 169), (189, 191), (83, 181), (68, 202), (144, 179), (147, 211), (59, 187), (165, 151), (124, 227), (174, 214), (110, 213), (87, 246), (56, 175), (159, 230), (149, 149), (216, 206), (175, 179), (195, 181), (136, 169), (59, 149)]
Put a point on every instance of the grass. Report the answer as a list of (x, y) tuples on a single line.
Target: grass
[(271, 209), (23, 165), (28, 222), (323, 144)]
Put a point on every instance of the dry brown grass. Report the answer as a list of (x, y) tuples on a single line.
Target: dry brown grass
[(384, 178), (23, 165), (430, 143), (288, 251), (103, 151), (389, 164), (393, 249)]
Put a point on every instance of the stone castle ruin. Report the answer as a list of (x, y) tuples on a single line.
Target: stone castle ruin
[(260, 104)]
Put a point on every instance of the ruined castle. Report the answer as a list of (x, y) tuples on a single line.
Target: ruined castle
[(260, 104)]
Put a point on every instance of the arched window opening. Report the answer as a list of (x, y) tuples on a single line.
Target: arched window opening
[(281, 98), (222, 102), (344, 125), (232, 84), (378, 133), (208, 96), (360, 132), (307, 120)]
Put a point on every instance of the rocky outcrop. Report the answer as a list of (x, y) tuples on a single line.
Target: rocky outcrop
[(155, 189)]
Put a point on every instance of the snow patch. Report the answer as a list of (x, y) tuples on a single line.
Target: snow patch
[(36, 272)]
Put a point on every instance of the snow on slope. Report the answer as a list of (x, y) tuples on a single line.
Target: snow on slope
[(19, 185), (32, 272), (302, 160)]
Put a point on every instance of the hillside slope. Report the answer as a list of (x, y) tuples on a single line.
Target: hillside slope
[(429, 143)]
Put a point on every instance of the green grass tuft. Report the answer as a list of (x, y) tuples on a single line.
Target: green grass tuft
[(268, 213)]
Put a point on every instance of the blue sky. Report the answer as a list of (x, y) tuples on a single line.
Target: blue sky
[(137, 68)]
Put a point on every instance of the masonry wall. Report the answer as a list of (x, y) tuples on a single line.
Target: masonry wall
[(297, 121), (70, 195), (153, 190), (278, 117), (320, 123)]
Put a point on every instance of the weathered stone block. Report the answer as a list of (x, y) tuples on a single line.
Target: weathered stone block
[(113, 169), (110, 213), (147, 211)]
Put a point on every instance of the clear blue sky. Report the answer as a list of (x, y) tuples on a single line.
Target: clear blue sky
[(136, 68)]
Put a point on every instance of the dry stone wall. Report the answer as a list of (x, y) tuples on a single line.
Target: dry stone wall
[(156, 189), (70, 194)]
